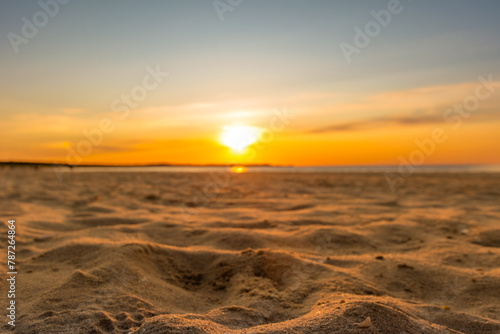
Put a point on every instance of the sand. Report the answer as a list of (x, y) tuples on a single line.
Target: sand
[(258, 253)]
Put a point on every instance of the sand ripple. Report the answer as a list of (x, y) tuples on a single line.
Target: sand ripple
[(264, 253)]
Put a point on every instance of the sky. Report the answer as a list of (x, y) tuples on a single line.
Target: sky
[(317, 82)]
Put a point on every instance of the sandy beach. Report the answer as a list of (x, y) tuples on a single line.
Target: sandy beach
[(250, 167), (257, 253)]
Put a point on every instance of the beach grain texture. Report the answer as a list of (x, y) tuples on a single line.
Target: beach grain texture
[(252, 253)]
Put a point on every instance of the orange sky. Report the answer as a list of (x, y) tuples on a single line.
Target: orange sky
[(192, 133)]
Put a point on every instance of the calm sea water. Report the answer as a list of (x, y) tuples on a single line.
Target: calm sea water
[(322, 169)]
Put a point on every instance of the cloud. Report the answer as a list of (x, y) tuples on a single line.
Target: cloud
[(413, 107), (72, 111), (378, 123)]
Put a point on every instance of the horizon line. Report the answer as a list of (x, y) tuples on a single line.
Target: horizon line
[(166, 164)]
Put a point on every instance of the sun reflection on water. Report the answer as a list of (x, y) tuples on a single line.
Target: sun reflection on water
[(238, 169)]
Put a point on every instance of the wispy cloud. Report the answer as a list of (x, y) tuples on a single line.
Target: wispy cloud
[(414, 107), (378, 122)]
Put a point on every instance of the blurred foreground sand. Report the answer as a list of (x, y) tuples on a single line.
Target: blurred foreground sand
[(265, 253)]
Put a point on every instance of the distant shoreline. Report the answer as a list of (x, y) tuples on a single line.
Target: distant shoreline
[(46, 164), (403, 171)]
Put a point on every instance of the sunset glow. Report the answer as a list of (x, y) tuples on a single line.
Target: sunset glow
[(164, 90), (239, 137)]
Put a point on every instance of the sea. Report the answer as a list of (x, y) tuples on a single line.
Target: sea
[(403, 169)]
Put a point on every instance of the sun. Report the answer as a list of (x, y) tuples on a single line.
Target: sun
[(239, 137)]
